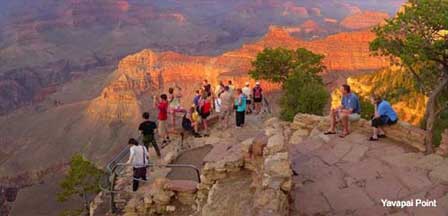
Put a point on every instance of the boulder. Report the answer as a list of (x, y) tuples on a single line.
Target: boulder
[(278, 165), (306, 121), (186, 198), (271, 131), (158, 193), (443, 148), (169, 157), (297, 136), (246, 145), (258, 145), (271, 202), (277, 171), (170, 208), (184, 186), (405, 133), (275, 144)]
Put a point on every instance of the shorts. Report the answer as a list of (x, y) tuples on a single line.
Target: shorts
[(175, 109), (248, 102), (162, 127), (382, 121), (258, 100), (205, 115), (226, 113), (354, 117)]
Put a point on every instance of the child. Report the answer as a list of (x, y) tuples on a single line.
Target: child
[(191, 122)]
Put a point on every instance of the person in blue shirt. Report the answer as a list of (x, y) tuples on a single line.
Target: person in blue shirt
[(384, 115), (240, 105), (350, 110), (196, 98)]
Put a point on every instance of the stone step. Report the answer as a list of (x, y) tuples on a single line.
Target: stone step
[(184, 186)]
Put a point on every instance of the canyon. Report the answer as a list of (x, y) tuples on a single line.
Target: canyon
[(100, 124), (48, 43), (75, 75)]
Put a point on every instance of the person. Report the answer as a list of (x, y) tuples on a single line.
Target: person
[(207, 87), (174, 104), (205, 109), (196, 98), (240, 104), (226, 107), (248, 92), (191, 121), (147, 128), (384, 115), (162, 106), (138, 158), (231, 86), (257, 94), (218, 91), (349, 110)]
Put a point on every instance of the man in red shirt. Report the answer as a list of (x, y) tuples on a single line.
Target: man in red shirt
[(162, 106)]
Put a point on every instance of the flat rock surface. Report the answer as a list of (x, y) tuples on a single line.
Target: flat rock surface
[(351, 176)]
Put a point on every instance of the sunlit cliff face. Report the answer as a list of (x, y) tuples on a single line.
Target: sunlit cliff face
[(147, 73)]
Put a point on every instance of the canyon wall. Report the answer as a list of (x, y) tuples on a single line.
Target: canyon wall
[(44, 44), (148, 73)]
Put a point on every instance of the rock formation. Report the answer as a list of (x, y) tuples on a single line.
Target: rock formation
[(152, 72), (443, 148), (250, 177), (56, 41), (363, 20)]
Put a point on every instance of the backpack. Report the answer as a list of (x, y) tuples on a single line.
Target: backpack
[(186, 123), (207, 107), (257, 92)]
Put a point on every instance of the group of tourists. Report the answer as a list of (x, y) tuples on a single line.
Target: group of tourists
[(350, 110), (226, 100), (223, 100)]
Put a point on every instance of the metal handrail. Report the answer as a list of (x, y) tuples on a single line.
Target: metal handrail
[(268, 105), (197, 171), (114, 174)]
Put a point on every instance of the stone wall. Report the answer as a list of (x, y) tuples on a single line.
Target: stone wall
[(273, 178), (443, 148), (401, 132), (266, 157), (159, 197)]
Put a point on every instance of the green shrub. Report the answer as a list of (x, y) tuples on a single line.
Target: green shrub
[(297, 71), (303, 94), (367, 108)]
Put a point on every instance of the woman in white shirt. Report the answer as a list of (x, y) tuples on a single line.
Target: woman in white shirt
[(139, 158)]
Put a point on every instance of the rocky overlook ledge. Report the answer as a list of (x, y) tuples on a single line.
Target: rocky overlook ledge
[(272, 167)]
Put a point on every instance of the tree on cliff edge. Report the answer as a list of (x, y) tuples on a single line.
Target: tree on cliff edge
[(417, 39), (297, 71), (82, 180)]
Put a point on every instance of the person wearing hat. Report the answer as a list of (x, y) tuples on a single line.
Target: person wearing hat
[(257, 95), (247, 91)]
